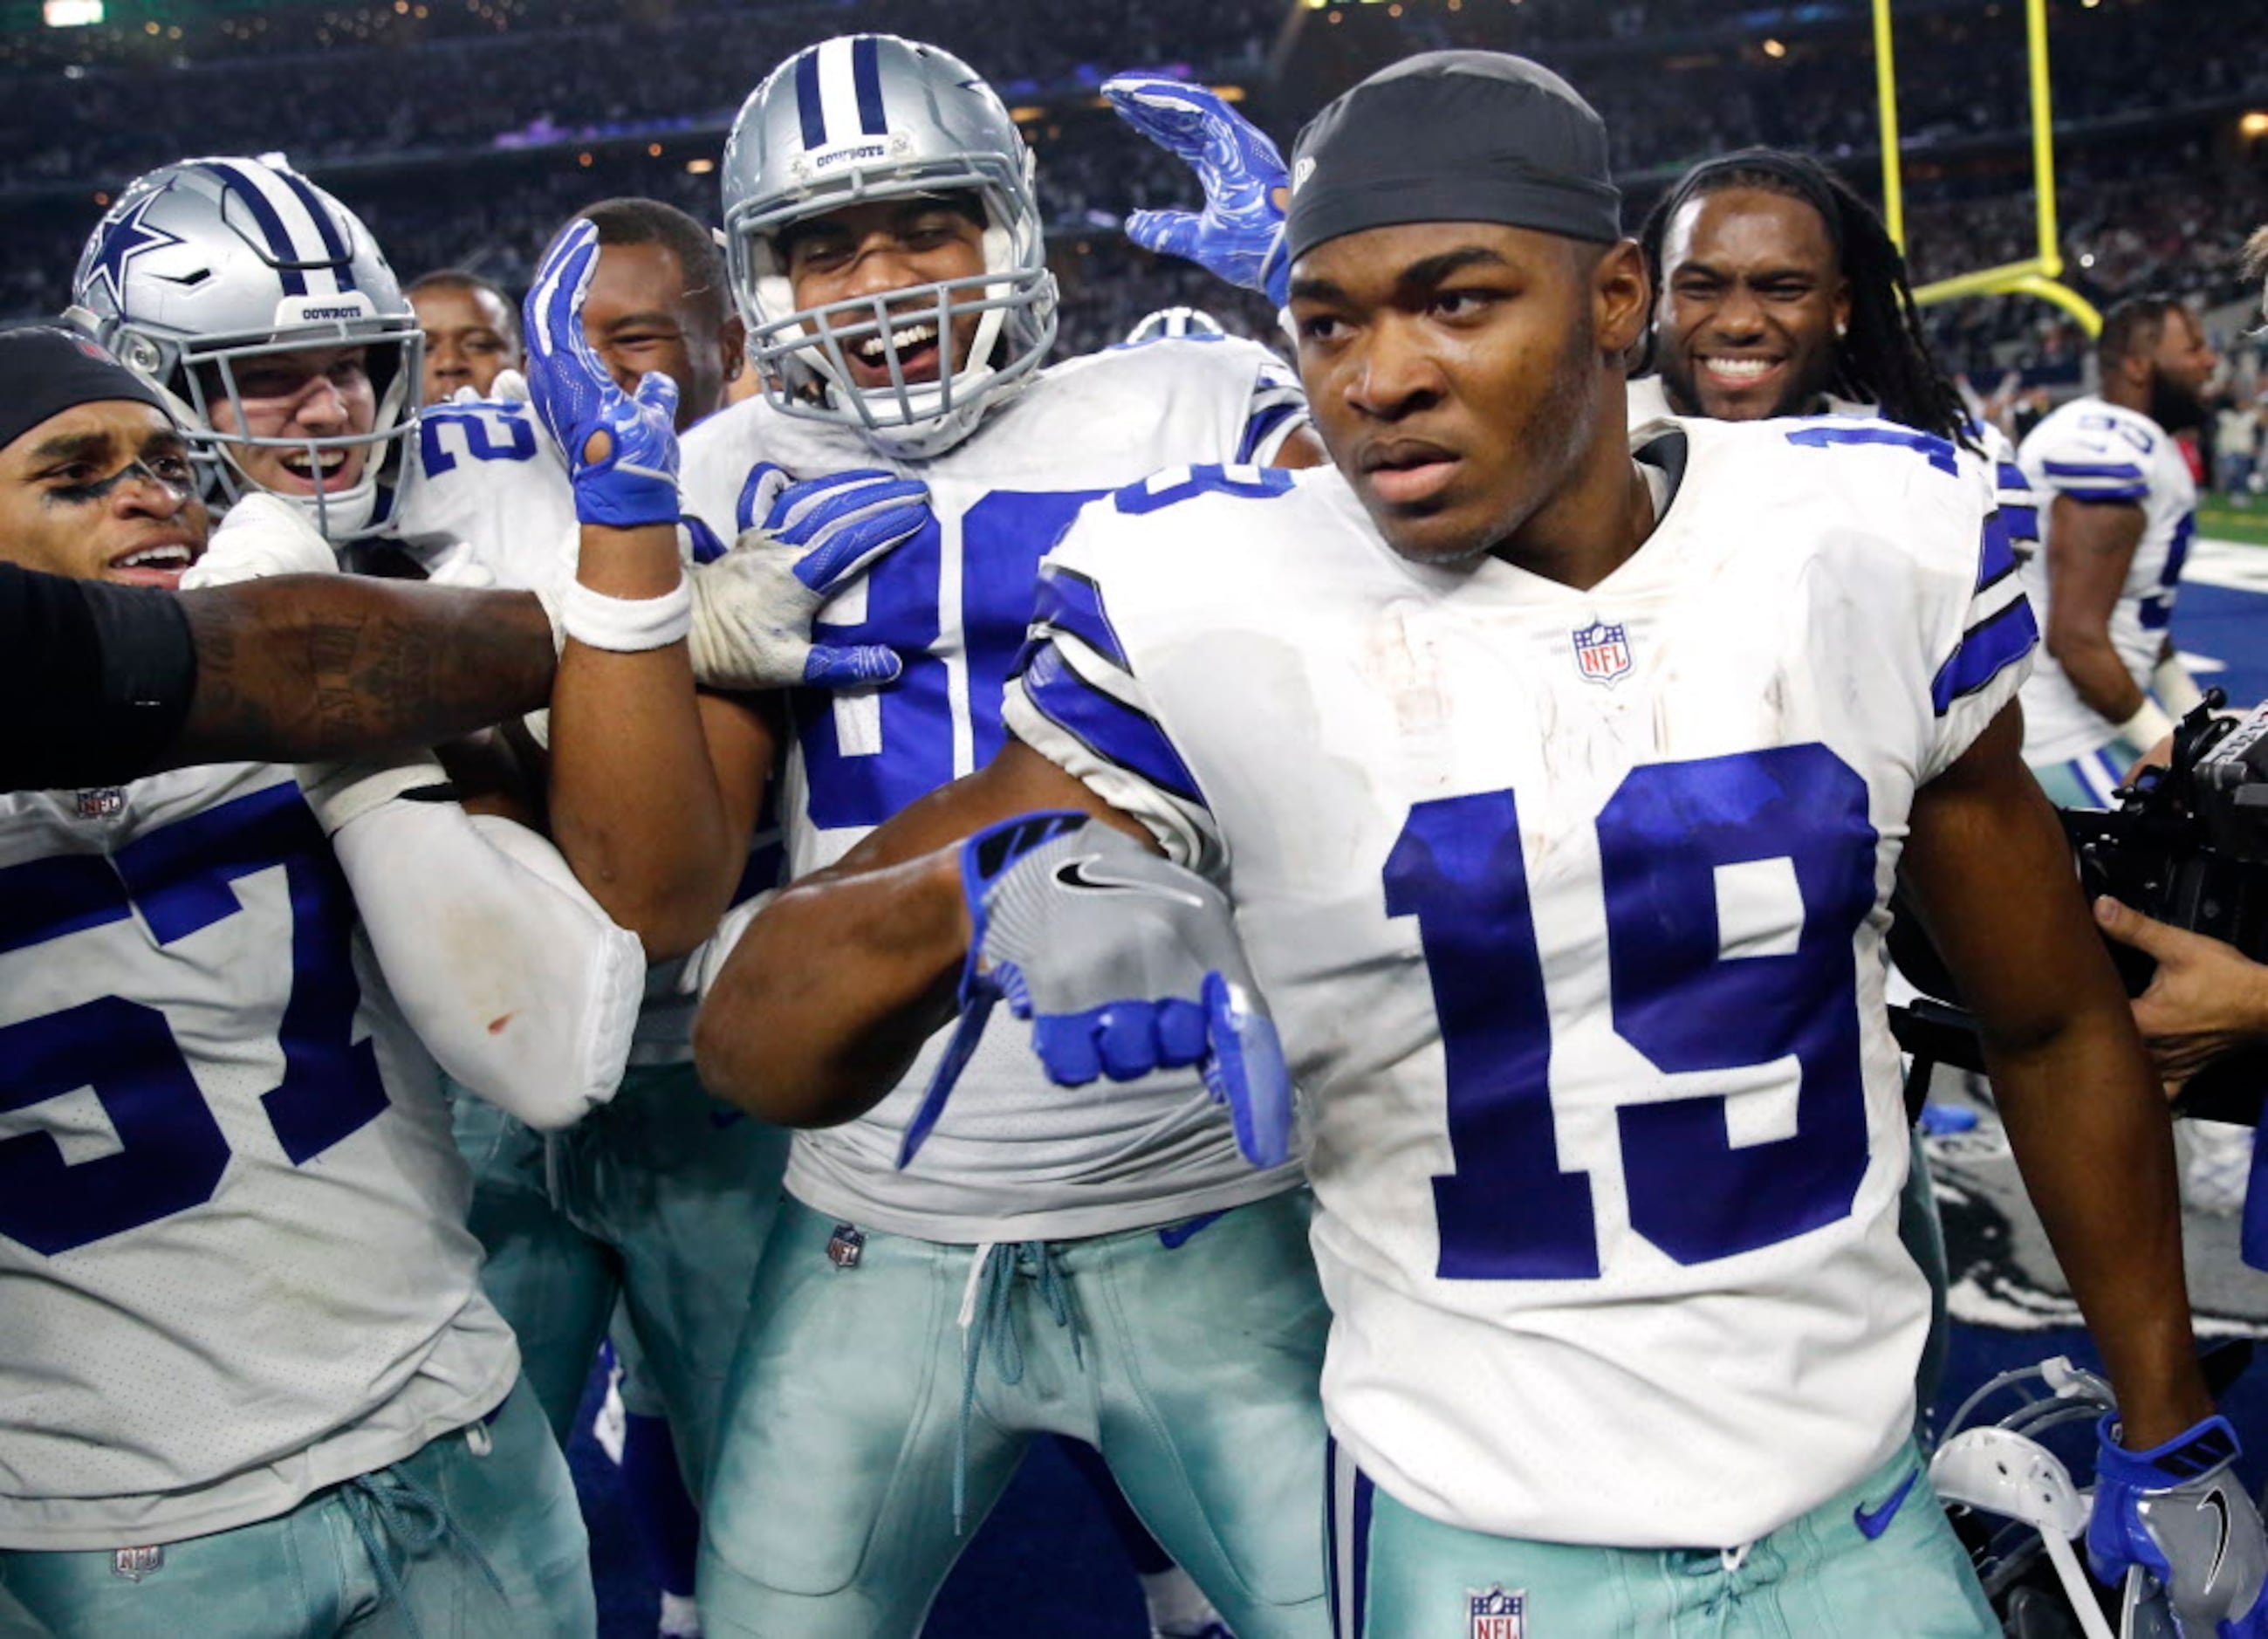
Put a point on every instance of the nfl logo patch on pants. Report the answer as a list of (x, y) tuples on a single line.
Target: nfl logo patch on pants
[(1497, 1614)]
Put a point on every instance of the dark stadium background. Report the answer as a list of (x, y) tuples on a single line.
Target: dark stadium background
[(464, 130)]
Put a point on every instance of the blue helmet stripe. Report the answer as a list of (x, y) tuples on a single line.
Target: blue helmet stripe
[(279, 237), (866, 79), (333, 244), (806, 99)]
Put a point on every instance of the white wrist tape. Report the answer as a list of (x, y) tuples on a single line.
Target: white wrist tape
[(2147, 726), (627, 626), (2177, 690)]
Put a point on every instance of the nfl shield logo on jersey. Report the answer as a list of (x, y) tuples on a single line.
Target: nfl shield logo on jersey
[(1601, 651), (1497, 1614)]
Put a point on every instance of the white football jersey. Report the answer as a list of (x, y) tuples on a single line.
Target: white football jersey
[(1014, 1157), (2012, 491), (2096, 453), (488, 476), (1570, 906), (233, 1262)]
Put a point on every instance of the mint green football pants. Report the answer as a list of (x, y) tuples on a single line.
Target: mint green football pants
[(1878, 1561), (660, 1200), (855, 1431), (475, 1535)]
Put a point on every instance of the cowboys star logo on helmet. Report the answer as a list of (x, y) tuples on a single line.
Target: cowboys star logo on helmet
[(869, 118), (208, 269), (122, 236)]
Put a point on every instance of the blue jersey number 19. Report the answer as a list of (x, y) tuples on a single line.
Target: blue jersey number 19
[(1508, 1212)]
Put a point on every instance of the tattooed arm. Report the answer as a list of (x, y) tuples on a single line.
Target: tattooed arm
[(101, 684), (330, 667)]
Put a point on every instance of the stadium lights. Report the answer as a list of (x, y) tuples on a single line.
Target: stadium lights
[(699, 167), (71, 13)]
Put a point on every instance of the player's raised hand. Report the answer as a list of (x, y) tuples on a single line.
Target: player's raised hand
[(1239, 236), (1124, 963), (2178, 1513), (621, 447), (753, 609)]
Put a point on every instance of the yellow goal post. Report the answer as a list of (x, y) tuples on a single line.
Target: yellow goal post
[(2039, 276)]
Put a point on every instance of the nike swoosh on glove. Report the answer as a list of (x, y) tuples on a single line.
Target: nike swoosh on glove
[(634, 481), (2178, 1512), (1239, 236), (262, 535), (1124, 963), (753, 609)]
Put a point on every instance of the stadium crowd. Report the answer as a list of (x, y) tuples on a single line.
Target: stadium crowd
[(397, 121)]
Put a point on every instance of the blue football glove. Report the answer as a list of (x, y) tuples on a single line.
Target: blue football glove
[(634, 481), (2179, 1514), (753, 609), (1124, 963), (1240, 234)]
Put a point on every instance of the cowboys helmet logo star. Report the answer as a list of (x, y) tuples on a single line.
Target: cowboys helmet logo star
[(124, 237)]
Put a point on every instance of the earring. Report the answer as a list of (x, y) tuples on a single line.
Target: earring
[(1842, 328)]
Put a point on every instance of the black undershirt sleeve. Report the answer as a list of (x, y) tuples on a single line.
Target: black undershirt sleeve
[(95, 680)]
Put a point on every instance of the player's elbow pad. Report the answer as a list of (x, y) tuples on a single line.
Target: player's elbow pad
[(520, 985)]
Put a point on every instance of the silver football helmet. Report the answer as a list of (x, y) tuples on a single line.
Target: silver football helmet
[(1171, 322), (208, 265), (865, 118)]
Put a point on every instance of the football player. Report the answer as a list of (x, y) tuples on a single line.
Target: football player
[(260, 307), (654, 1211), (2121, 513), (1550, 788), (258, 1389), (477, 484), (1104, 1266), (2205, 999), (471, 330), (1778, 291)]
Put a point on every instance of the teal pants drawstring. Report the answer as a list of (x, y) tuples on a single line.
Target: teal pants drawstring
[(988, 1323), (388, 1507)]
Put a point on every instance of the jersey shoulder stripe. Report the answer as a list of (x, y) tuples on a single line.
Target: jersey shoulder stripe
[(1069, 601), (2000, 632), (1106, 726), (1828, 432)]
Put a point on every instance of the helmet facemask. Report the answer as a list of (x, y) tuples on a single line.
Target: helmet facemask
[(206, 375), (957, 141)]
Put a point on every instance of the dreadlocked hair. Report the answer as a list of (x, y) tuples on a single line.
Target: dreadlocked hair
[(1884, 359)]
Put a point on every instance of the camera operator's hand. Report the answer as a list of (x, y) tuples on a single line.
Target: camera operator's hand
[(2159, 755), (2205, 999)]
